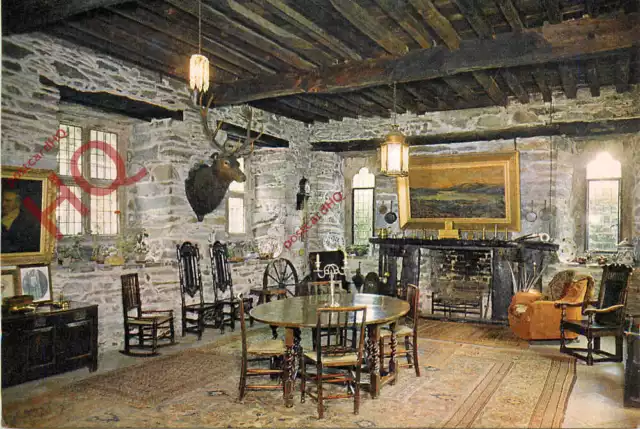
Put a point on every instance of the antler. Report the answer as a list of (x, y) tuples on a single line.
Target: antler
[(248, 141), (204, 114)]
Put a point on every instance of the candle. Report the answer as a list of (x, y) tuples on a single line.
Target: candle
[(495, 231), (317, 260)]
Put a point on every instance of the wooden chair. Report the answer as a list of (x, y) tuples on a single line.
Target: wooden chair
[(271, 351), (278, 277), (149, 327), (341, 358), (196, 313), (605, 317), (407, 331), (222, 281)]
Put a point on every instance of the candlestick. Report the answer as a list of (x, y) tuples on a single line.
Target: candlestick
[(506, 234), (495, 231), (483, 231)]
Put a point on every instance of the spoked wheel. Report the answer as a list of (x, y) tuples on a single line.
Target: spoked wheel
[(280, 274)]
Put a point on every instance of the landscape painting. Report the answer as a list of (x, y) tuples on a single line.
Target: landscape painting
[(458, 193), (474, 191)]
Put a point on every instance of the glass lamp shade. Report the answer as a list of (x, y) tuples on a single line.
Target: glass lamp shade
[(199, 72), (394, 155)]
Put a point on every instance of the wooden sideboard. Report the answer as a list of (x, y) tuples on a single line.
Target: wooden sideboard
[(49, 341)]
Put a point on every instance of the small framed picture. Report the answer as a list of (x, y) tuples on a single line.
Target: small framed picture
[(36, 280), (10, 283)]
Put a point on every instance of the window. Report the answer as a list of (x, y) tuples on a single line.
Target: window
[(97, 167), (363, 186), (235, 205), (603, 203)]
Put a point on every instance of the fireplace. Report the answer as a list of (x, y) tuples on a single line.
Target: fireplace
[(466, 279)]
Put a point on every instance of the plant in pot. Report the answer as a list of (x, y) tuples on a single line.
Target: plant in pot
[(99, 250)]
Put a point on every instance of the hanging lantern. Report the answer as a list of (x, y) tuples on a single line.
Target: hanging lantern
[(199, 73), (394, 154), (394, 151)]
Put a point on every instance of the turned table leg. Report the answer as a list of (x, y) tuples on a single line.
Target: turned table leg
[(373, 338), (289, 373)]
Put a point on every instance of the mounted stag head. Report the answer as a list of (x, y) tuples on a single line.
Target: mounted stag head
[(206, 184)]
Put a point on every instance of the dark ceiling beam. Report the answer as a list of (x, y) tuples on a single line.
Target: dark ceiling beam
[(473, 14), (623, 63), (593, 78), (363, 21), (101, 43), (460, 87), (224, 24), (353, 109), (365, 103), (378, 95), (189, 35), (516, 87), (443, 28), (491, 88), (314, 31), (553, 11), (437, 22), (398, 11), (428, 100), (298, 103), (551, 43), (172, 45), (569, 81), (570, 129), (412, 103), (540, 77), (277, 108), (114, 103), (29, 15), (327, 106), (511, 14), (265, 140), (285, 38)]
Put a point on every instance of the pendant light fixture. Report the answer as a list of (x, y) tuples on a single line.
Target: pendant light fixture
[(199, 64), (394, 151)]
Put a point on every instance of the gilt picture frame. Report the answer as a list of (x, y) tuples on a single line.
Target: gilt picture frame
[(10, 283), (27, 193), (474, 191)]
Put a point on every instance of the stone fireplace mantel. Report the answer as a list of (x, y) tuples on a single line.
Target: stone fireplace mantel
[(500, 254)]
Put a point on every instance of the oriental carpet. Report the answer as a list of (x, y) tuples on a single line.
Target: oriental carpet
[(462, 385)]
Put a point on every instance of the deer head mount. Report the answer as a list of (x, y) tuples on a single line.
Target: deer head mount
[(207, 184)]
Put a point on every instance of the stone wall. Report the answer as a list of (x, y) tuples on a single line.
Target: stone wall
[(565, 192), (167, 148)]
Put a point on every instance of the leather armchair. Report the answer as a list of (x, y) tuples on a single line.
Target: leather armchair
[(533, 318)]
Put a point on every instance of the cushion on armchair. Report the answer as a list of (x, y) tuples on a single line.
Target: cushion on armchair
[(532, 318)]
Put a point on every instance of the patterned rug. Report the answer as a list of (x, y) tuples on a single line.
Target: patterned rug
[(472, 333), (462, 385)]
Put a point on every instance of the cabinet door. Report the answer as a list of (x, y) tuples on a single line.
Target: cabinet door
[(75, 343), (41, 359)]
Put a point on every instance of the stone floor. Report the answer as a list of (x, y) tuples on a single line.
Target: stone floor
[(595, 402)]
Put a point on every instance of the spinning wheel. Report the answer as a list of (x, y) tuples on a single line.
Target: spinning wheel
[(280, 274)]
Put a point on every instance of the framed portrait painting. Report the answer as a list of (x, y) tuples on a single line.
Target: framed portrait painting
[(10, 283), (473, 191), (35, 280), (25, 194)]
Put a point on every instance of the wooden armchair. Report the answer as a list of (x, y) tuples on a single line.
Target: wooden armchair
[(148, 327), (604, 317)]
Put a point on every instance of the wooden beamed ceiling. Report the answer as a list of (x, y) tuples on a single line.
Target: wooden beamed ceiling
[(316, 60)]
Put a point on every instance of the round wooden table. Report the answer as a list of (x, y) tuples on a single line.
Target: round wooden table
[(300, 312)]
